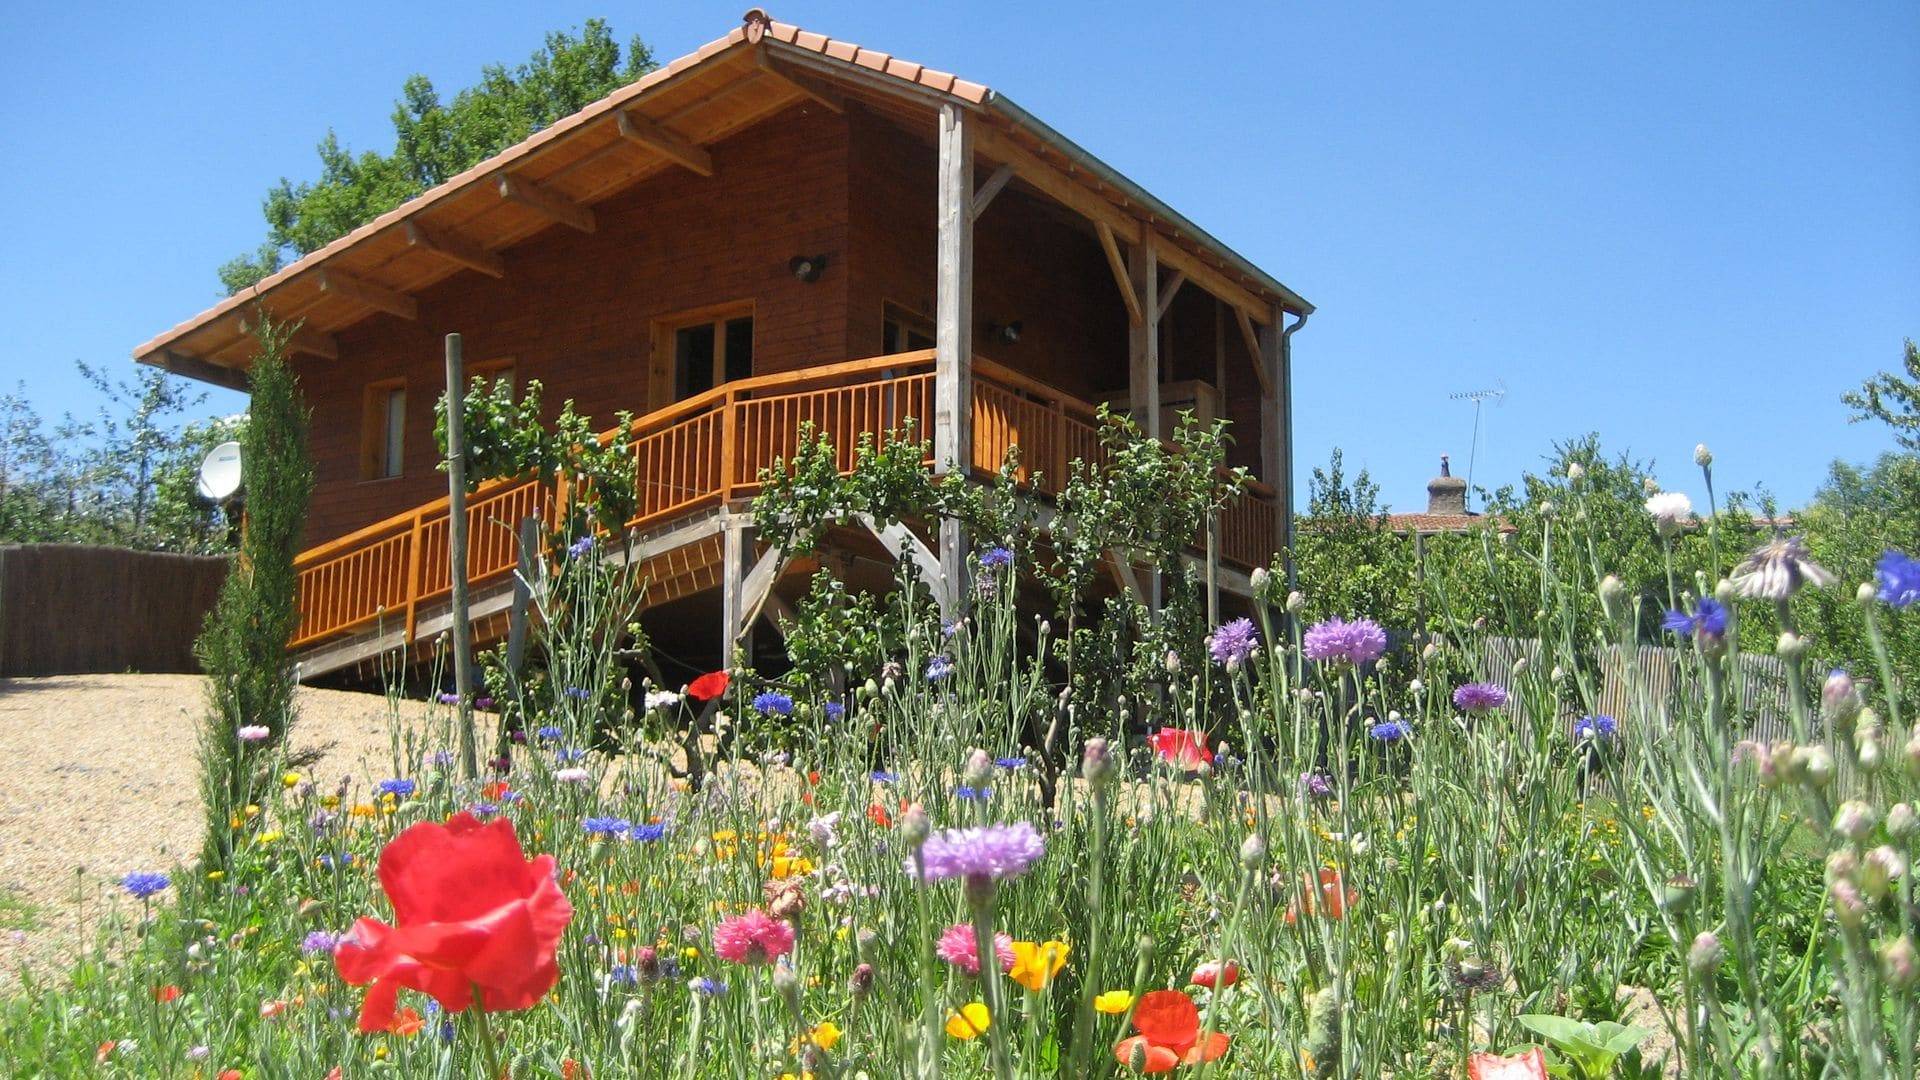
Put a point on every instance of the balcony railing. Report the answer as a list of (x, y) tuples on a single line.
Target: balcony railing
[(709, 450)]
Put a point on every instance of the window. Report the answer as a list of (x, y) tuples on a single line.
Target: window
[(384, 431), (494, 371), (904, 331), (698, 351)]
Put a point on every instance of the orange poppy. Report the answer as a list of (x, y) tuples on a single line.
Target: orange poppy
[(407, 1021), (164, 994), (1169, 1027), (879, 816), (1214, 973), (1333, 898)]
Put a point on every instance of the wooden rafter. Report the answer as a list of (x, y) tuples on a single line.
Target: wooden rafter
[(195, 368), (368, 294), (828, 99), (455, 249), (546, 201), (993, 186), (302, 340), (1118, 265), (1167, 292), (1252, 340), (640, 131)]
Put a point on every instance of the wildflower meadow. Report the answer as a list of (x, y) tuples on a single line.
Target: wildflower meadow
[(1305, 847)]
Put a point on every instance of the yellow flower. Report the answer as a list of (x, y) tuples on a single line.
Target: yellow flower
[(1034, 966), (825, 1035), (619, 933), (969, 1022), (690, 953), (269, 836), (331, 802), (216, 875), (1114, 1002), (290, 779), (786, 866)]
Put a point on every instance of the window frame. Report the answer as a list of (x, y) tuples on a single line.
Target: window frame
[(910, 320), (383, 447), (662, 388)]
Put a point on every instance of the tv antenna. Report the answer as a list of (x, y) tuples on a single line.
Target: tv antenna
[(1479, 398)]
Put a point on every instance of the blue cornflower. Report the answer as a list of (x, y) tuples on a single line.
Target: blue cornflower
[(623, 975), (568, 753), (996, 556), (1708, 621), (483, 809), (949, 627), (709, 987), (1899, 576), (1011, 762), (337, 862), (1391, 731), (977, 794), (1595, 727), (834, 710), (670, 968), (580, 547), (440, 759), (144, 883), (605, 826), (448, 697), (939, 668), (550, 732), (647, 832), (769, 703), (320, 941), (399, 789), (882, 776)]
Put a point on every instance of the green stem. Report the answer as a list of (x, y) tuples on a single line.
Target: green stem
[(980, 898), (489, 1053)]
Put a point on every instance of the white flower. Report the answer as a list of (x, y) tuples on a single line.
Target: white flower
[(1671, 510), (572, 775), (253, 733), (1777, 569), (661, 699)]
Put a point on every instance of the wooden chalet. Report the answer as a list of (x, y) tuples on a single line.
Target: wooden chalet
[(779, 227)]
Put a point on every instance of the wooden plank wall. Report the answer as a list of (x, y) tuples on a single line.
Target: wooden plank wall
[(80, 608)]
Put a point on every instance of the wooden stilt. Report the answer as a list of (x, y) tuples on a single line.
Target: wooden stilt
[(461, 629), (953, 330)]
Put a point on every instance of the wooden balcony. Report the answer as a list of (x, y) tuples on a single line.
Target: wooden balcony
[(708, 451)]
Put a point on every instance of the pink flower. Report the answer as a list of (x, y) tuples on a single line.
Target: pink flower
[(753, 938), (253, 733), (958, 946)]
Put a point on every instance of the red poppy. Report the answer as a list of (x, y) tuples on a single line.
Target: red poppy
[(1214, 973), (472, 916), (1184, 747), (1332, 901), (164, 994), (709, 686), (879, 816), (407, 1021), (1169, 1027), (495, 790), (1531, 1065)]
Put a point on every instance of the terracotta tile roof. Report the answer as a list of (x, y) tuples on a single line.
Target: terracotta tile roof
[(211, 333), (1443, 523)]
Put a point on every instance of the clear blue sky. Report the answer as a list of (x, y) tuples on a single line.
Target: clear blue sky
[(1666, 222)]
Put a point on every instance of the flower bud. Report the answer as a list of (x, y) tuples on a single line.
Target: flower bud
[(1725, 592), (1520, 667), (1911, 755), (1296, 602), (1677, 895), (1702, 456), (1839, 699), (1866, 751), (1901, 821), (1173, 662), (1866, 594), (1854, 820), (1841, 865), (1792, 646), (1898, 963), (861, 980), (1849, 907), (1649, 485), (1096, 761), (979, 769), (787, 985), (1576, 472), (914, 826), (1253, 852), (1613, 597), (1259, 579), (1705, 956), (1880, 869), (1815, 766)]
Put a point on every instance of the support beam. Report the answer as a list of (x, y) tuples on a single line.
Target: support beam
[(641, 131), (1282, 481), (366, 293), (301, 340), (900, 540), (546, 201), (193, 367), (953, 328), (757, 586), (1143, 339), (993, 186), (733, 573), (826, 98), (1167, 292), (1252, 340), (1118, 264), (455, 249), (1275, 416)]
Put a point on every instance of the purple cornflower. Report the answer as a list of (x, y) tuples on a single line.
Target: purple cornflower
[(580, 547), (1233, 643), (773, 704), (709, 987), (336, 862), (578, 693), (939, 668), (1708, 623), (996, 556), (1316, 784), (1391, 731), (973, 793), (448, 697), (1598, 728), (483, 809), (568, 753), (834, 710), (605, 826), (1899, 577), (1479, 697), (981, 854), (550, 732), (320, 941), (882, 776), (1339, 641), (623, 975), (144, 883), (439, 759), (399, 789)]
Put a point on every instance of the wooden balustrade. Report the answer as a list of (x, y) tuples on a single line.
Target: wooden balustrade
[(709, 450)]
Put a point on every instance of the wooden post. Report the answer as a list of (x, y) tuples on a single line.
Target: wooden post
[(1143, 363), (953, 329), (414, 543), (1276, 428), (522, 593), (733, 575), (457, 555)]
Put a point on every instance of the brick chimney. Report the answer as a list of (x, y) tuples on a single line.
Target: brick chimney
[(1446, 493)]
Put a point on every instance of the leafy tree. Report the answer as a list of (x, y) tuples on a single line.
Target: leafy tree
[(1349, 562), (1855, 517), (436, 140), (243, 647), (31, 505), (1892, 400)]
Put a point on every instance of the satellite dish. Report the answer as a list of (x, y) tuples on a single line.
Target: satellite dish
[(220, 472)]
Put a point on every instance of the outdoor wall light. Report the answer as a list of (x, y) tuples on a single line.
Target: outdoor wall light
[(1005, 335), (807, 267)]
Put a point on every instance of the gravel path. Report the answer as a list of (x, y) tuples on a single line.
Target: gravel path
[(99, 779)]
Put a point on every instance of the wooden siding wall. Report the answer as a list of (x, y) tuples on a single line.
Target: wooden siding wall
[(576, 310)]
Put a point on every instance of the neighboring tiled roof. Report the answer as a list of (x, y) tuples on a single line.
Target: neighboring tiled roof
[(1442, 523), (213, 345)]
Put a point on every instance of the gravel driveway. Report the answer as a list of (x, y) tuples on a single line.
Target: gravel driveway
[(99, 779)]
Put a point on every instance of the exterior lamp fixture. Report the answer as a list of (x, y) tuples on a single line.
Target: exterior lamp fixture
[(807, 267), (1008, 334)]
